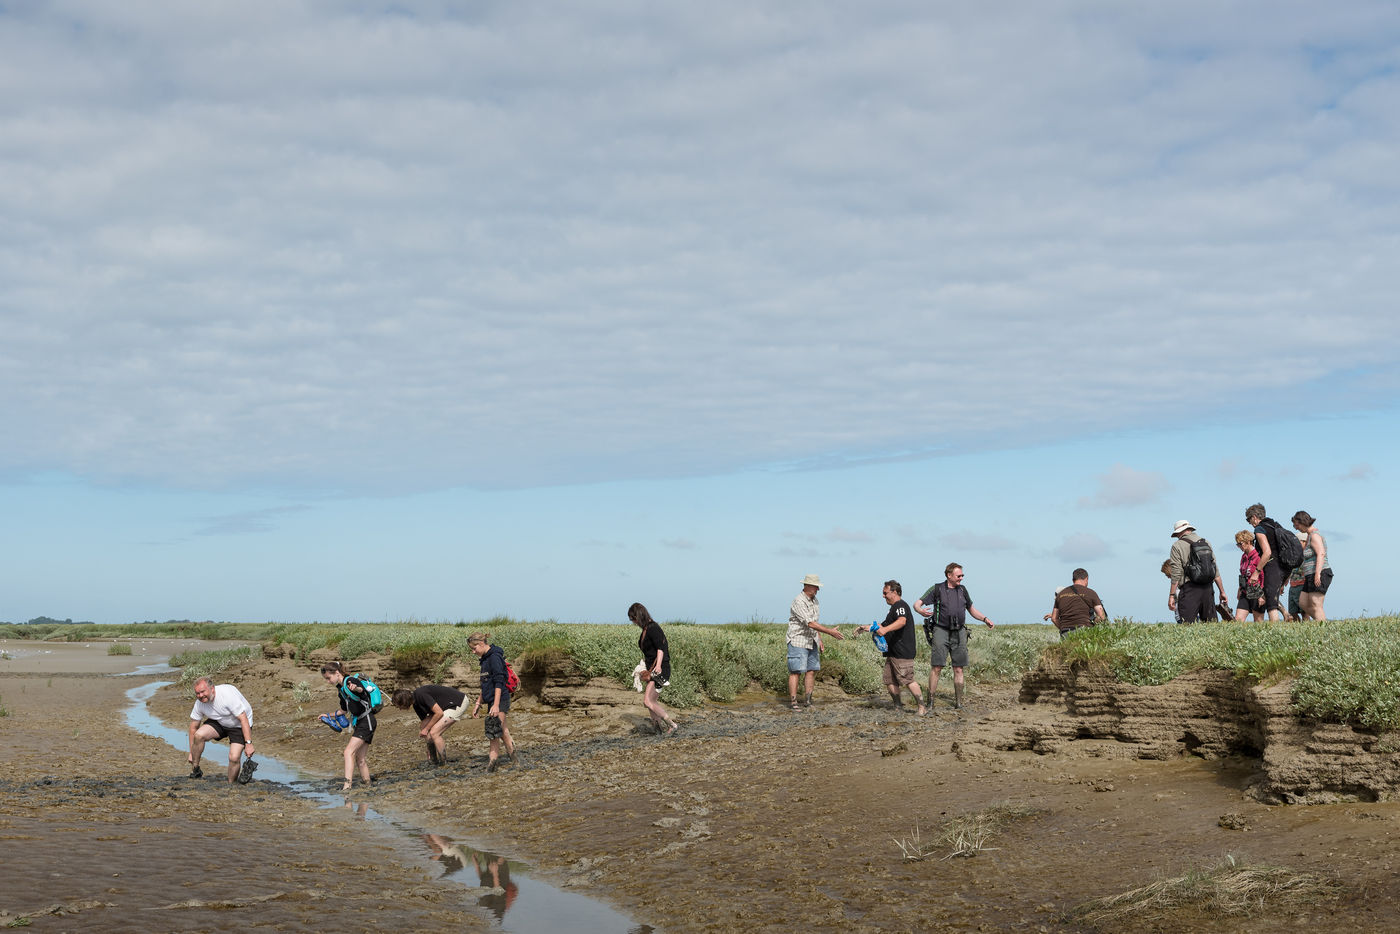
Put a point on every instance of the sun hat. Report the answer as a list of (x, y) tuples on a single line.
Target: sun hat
[(812, 580), (1182, 526)]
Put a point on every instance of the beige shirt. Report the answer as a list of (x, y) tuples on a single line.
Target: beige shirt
[(1181, 553), (801, 616)]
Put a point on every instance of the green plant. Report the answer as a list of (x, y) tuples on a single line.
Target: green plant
[(196, 665), (118, 648), (4, 711), (302, 692)]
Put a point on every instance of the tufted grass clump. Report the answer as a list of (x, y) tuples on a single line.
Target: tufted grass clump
[(118, 648), (1229, 889)]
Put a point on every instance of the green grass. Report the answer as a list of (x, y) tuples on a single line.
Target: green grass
[(196, 665), (714, 662), (174, 629), (1342, 670), (118, 648)]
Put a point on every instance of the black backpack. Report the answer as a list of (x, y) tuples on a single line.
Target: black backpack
[(1289, 552), (1200, 566)]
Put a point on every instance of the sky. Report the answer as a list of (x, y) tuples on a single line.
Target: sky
[(352, 311)]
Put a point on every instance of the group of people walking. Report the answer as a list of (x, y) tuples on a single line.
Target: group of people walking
[(1272, 560), (1282, 574), (945, 608)]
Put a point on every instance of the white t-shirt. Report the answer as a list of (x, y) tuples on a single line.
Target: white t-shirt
[(227, 704)]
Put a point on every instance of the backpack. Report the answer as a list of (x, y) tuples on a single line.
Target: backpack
[(1289, 553), (1200, 566), (512, 679), (931, 622), (374, 697)]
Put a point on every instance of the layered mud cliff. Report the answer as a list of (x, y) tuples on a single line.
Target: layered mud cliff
[(1075, 710)]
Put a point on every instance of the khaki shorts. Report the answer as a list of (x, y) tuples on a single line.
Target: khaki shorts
[(456, 713), (898, 672)]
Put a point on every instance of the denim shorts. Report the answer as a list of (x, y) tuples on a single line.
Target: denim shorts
[(800, 659)]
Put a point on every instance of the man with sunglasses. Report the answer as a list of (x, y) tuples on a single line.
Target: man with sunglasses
[(945, 607)]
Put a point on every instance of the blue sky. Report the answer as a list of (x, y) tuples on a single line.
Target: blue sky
[(332, 311)]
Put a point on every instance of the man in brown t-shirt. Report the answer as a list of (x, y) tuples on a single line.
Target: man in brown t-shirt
[(1077, 606)]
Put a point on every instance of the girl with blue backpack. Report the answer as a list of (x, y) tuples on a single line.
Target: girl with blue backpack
[(360, 701)]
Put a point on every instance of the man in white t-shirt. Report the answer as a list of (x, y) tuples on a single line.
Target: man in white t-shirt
[(222, 713)]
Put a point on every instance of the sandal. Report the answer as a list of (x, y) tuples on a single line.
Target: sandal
[(795, 705)]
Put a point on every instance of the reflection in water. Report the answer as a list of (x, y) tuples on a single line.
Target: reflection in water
[(544, 907), (492, 872)]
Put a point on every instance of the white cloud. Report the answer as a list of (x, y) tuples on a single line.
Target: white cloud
[(1359, 472), (1082, 546), (977, 541), (1125, 486), (309, 243)]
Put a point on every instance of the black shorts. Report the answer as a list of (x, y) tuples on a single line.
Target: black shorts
[(1250, 606), (234, 734), (1309, 587), (363, 730), (495, 729)]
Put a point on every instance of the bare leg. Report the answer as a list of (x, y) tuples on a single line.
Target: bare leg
[(352, 750), (235, 759), (792, 687), (362, 758), (933, 674), (810, 686), (658, 712), (918, 696)]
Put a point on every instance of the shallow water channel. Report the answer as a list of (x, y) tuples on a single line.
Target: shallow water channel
[(505, 890)]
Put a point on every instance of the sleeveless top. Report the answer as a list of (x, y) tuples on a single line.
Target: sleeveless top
[(1309, 566)]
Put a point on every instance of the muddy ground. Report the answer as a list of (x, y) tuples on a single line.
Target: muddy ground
[(754, 817)]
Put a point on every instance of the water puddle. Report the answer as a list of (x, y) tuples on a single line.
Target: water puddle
[(510, 896)]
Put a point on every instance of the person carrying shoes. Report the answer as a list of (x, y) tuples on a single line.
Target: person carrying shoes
[(222, 713)]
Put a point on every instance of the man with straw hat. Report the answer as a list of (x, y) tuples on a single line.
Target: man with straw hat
[(804, 642)]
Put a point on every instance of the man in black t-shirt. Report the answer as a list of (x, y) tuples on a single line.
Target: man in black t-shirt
[(438, 707), (898, 630)]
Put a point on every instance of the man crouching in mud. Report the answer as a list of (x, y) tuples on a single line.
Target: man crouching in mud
[(221, 713)]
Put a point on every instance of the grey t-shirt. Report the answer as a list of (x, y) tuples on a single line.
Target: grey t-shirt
[(952, 609)]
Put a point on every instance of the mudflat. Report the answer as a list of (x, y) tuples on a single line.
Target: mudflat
[(754, 817)]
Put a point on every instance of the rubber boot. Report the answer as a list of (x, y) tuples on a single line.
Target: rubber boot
[(957, 696)]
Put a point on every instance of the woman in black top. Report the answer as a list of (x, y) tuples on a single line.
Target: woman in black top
[(657, 657), (354, 703)]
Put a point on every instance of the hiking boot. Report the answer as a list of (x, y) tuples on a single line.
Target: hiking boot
[(196, 772), (492, 765), (246, 770)]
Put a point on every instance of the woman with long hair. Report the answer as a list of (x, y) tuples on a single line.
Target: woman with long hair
[(656, 655), (355, 704)]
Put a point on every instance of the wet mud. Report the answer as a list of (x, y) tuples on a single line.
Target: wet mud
[(753, 817)]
